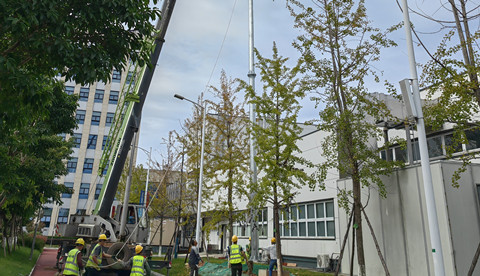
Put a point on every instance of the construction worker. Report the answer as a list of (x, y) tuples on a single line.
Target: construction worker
[(74, 264), (272, 254), (96, 256), (249, 254), (194, 259), (235, 256), (138, 263)]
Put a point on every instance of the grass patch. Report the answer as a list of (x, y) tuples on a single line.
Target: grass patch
[(179, 268), (17, 263)]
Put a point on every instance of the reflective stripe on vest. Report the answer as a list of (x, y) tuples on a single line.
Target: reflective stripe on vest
[(235, 257), (137, 266), (71, 266), (92, 263)]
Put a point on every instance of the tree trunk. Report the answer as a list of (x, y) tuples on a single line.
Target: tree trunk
[(34, 236), (357, 213), (276, 223), (344, 242), (352, 258), (387, 273)]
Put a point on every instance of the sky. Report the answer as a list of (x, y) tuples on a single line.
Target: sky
[(193, 57)]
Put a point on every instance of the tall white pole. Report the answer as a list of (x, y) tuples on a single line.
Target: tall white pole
[(200, 183), (253, 166), (435, 241), (148, 175)]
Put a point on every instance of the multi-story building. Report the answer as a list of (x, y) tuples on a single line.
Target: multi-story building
[(95, 113)]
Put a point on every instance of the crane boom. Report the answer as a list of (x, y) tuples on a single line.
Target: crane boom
[(112, 178)]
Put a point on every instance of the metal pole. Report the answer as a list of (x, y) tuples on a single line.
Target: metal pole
[(148, 175), (126, 197), (253, 166), (435, 241), (199, 206)]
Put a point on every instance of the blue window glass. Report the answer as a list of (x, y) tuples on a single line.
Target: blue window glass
[(80, 116), (109, 119), (113, 98), (68, 185), (84, 91), (77, 139), (92, 141), (72, 165), (99, 96), (96, 118), (83, 192), (105, 139), (63, 216), (98, 189), (69, 89), (116, 76), (47, 216), (88, 165)]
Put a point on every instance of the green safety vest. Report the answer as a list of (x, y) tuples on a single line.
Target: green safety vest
[(92, 263), (235, 257), (71, 266), (137, 266), (248, 252)]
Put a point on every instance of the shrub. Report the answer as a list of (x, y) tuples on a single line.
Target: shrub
[(39, 242)]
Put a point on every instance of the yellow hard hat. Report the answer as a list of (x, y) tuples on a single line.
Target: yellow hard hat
[(249, 238), (234, 238), (102, 237), (138, 248), (274, 240), (80, 241)]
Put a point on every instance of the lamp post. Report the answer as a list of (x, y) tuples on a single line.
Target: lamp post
[(149, 154), (200, 181)]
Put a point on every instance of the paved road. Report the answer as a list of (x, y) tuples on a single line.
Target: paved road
[(46, 263)]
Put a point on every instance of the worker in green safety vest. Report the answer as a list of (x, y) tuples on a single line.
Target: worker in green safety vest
[(235, 257), (74, 265), (138, 263), (95, 258), (248, 252)]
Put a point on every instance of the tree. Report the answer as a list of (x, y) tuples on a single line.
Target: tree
[(80, 41), (339, 46), (228, 153), (35, 155), (279, 164)]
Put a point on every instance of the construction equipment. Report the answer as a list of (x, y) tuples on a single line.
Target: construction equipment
[(126, 125)]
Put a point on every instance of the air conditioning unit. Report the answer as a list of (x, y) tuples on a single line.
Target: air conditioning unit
[(323, 261)]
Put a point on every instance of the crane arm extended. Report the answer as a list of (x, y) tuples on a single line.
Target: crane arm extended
[(112, 178)]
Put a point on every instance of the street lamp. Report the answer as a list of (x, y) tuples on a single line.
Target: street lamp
[(149, 154), (200, 182)]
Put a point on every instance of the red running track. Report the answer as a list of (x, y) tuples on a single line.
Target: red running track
[(45, 265)]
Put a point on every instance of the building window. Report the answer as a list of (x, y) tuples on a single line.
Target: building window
[(62, 216), (109, 119), (63, 135), (309, 220), (77, 140), (242, 228), (116, 76), (99, 96), (473, 137), (72, 165), (69, 90), (98, 189), (84, 91), (47, 216), (130, 78), (70, 186), (452, 144), (83, 192), (80, 116), (88, 165), (92, 141), (113, 98), (104, 142), (96, 118)]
